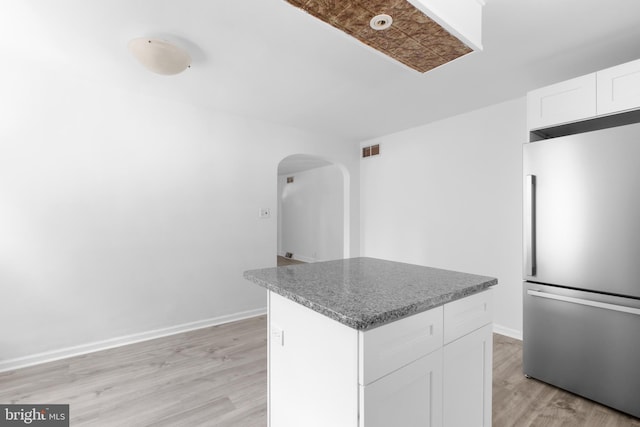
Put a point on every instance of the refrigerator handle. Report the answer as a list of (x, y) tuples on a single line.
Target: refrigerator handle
[(581, 301), (530, 226)]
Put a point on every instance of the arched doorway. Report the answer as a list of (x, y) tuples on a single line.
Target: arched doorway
[(312, 209)]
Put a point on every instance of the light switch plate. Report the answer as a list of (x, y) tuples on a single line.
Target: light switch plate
[(264, 213)]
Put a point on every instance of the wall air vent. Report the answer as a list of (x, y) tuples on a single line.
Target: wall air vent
[(372, 150)]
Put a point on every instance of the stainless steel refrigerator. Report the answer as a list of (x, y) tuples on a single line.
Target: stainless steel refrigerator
[(582, 264)]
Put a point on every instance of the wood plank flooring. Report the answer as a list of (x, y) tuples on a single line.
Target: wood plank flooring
[(217, 377), (520, 401), (287, 261)]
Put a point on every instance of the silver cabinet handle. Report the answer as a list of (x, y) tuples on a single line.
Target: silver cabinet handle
[(529, 226), (598, 304)]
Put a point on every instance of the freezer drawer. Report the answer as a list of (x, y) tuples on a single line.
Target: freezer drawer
[(584, 342)]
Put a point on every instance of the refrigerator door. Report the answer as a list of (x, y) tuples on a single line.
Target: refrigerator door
[(584, 342), (582, 211)]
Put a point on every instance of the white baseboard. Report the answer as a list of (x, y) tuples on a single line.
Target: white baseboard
[(512, 333), (50, 356)]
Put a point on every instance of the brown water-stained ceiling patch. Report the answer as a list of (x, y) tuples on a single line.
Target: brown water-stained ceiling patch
[(413, 39)]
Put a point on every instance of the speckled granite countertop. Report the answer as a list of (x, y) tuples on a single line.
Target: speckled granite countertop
[(364, 293)]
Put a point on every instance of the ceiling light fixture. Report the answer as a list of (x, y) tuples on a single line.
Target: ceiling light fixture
[(381, 22), (426, 33), (160, 56)]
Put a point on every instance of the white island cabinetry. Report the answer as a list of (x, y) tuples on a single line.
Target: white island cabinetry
[(365, 342), (416, 371)]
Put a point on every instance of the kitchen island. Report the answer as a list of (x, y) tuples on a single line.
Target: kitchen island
[(364, 342)]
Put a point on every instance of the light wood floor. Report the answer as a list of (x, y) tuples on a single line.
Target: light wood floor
[(287, 261), (519, 401), (217, 377)]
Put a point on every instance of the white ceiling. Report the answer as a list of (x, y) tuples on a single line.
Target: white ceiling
[(268, 60)]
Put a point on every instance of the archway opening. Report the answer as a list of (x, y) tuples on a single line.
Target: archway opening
[(312, 210)]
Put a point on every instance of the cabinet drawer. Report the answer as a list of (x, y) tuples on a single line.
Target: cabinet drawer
[(467, 314), (392, 346), (568, 101), (619, 88)]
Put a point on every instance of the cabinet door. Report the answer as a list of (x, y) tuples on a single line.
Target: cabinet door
[(563, 102), (467, 373), (619, 88), (408, 397), (313, 368)]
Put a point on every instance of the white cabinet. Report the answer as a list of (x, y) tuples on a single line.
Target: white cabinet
[(419, 371), (467, 388), (313, 368), (409, 397), (563, 102), (619, 88), (467, 361), (396, 344), (466, 315), (606, 92)]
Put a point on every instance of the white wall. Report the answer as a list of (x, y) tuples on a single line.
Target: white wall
[(312, 214), (448, 195), (121, 214)]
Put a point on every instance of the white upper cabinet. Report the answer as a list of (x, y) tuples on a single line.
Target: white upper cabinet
[(619, 88), (610, 91), (568, 101)]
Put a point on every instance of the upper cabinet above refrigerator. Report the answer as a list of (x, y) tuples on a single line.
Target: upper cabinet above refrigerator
[(562, 102), (618, 88), (610, 91)]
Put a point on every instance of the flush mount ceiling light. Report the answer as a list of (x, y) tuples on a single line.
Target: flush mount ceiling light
[(381, 22), (160, 56), (425, 33)]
